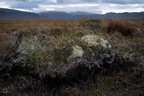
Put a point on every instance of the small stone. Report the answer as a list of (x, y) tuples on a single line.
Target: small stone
[(77, 52)]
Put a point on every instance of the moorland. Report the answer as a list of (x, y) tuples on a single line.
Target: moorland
[(30, 46)]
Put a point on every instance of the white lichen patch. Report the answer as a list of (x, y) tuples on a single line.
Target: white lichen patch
[(94, 40), (77, 52)]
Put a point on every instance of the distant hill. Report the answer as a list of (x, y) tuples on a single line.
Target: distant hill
[(64, 14), (80, 13), (56, 14), (86, 14), (125, 15), (9, 13)]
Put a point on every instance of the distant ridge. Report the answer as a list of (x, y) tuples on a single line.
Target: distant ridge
[(125, 15), (56, 14), (10, 13), (86, 14)]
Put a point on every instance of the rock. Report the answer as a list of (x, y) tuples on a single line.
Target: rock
[(87, 58), (94, 40), (99, 59), (77, 52), (28, 44), (20, 60), (80, 58)]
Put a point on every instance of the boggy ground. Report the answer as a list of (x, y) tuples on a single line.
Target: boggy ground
[(124, 78)]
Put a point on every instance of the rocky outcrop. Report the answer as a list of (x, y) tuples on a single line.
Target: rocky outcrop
[(93, 53)]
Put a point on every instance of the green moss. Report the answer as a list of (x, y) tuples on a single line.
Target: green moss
[(60, 55), (56, 49)]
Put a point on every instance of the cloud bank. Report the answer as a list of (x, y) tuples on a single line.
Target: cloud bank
[(93, 6)]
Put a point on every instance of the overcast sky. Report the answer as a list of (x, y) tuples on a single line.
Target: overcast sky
[(93, 6)]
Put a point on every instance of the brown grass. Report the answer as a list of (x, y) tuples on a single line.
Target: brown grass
[(119, 25)]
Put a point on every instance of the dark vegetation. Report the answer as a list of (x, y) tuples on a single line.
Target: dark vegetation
[(123, 78)]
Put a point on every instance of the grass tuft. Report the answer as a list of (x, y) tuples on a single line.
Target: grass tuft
[(118, 25)]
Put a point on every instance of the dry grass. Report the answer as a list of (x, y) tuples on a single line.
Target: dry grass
[(120, 25)]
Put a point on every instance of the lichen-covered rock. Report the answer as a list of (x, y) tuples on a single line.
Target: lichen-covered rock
[(90, 57), (77, 52), (94, 40), (97, 57)]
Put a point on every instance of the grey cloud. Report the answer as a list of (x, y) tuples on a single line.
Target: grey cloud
[(69, 1), (92, 9), (24, 5), (76, 1), (28, 4), (103, 1), (123, 1)]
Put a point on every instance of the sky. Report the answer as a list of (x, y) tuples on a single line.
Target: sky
[(92, 6)]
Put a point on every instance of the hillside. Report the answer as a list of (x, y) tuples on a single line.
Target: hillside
[(9, 13)]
